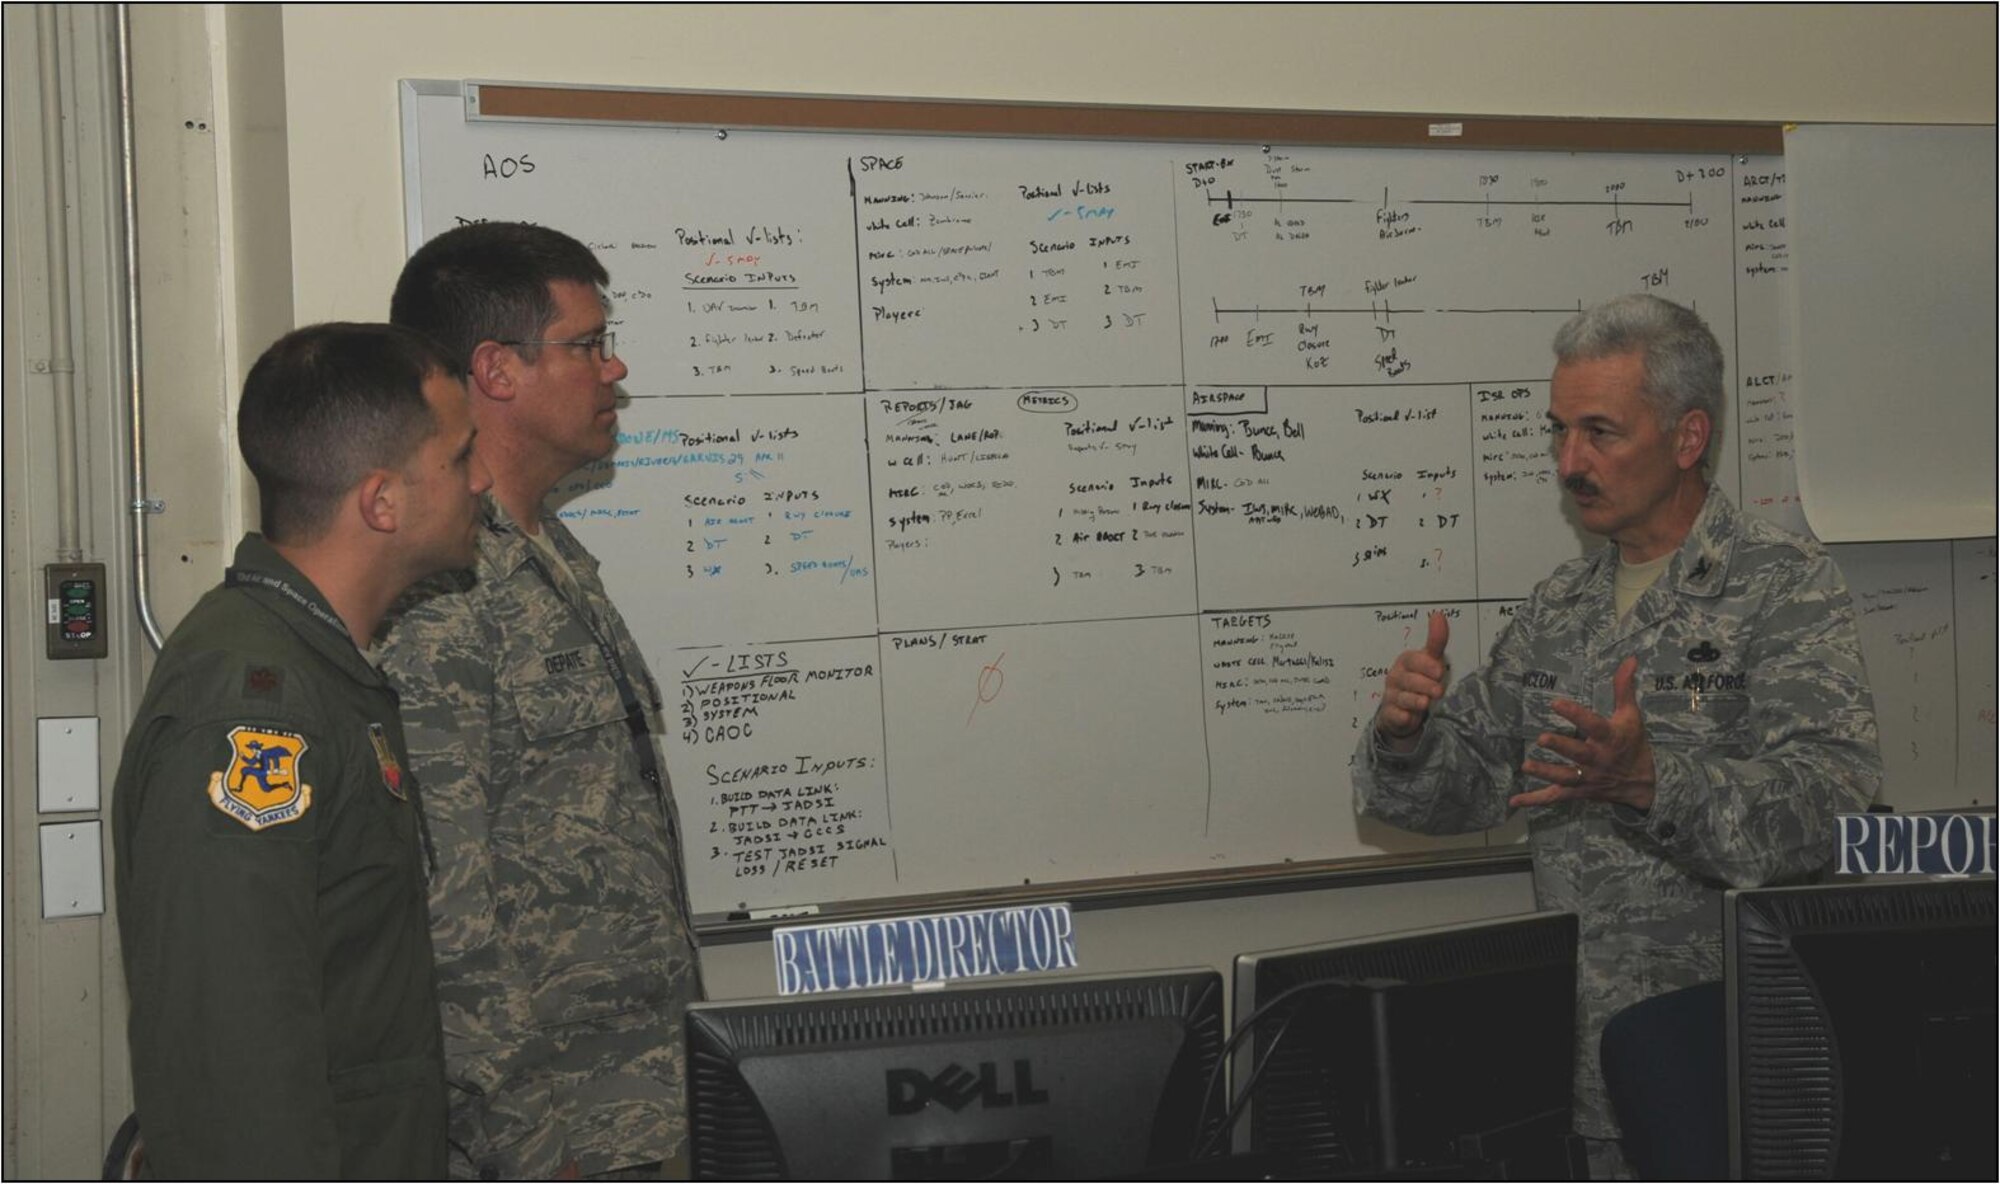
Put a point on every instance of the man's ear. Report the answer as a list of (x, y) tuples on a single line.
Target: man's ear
[(380, 500), (494, 370), (1691, 438)]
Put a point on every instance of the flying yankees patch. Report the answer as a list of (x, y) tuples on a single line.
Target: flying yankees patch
[(262, 786)]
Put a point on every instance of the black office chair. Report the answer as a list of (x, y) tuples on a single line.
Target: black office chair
[(1665, 1069), (122, 1160)]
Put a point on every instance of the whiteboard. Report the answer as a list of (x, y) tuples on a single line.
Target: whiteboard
[(1896, 328), (1007, 512)]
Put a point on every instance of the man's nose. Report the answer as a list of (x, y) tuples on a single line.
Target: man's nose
[(615, 370), (1568, 457)]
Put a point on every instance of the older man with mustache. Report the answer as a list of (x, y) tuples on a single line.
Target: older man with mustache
[(1682, 712)]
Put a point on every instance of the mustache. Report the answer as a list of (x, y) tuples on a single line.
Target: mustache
[(1577, 484)]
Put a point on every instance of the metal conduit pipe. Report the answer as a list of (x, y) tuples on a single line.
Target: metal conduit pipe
[(55, 221), (142, 506)]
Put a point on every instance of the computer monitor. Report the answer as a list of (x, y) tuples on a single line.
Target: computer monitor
[(1861, 1037), (1441, 1048), (1051, 1078)]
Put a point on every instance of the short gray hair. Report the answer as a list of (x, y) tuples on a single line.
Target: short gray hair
[(1681, 358)]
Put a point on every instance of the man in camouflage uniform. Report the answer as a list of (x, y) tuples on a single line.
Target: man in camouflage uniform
[(1683, 712), (560, 915), (270, 862)]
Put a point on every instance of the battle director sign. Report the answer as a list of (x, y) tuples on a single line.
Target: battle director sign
[(931, 949), (262, 786)]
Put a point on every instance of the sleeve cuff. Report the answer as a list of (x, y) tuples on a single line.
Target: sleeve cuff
[(1384, 759), (1671, 817)]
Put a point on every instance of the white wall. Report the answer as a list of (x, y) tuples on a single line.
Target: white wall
[(63, 996)]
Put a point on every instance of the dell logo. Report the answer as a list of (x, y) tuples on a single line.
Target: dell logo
[(910, 1090)]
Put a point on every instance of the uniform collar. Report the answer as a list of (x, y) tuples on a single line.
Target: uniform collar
[(1700, 566), (505, 548), (269, 578)]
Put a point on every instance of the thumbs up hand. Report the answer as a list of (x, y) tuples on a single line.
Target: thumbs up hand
[(1415, 682)]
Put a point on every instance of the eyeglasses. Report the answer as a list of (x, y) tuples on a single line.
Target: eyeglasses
[(604, 345)]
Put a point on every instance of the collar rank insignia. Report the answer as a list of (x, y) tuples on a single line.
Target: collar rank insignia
[(1705, 652), (392, 770), (262, 786), (263, 682), (1701, 567)]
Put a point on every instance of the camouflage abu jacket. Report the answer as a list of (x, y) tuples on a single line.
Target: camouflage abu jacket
[(1762, 727), (565, 959)]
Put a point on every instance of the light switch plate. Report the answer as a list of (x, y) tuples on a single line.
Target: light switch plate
[(66, 764), (72, 869)]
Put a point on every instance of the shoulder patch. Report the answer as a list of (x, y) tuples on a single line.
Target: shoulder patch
[(392, 769), (262, 784)]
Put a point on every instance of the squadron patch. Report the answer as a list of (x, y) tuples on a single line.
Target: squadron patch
[(262, 786), (392, 769)]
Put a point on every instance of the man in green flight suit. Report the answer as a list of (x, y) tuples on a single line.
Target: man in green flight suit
[(271, 848)]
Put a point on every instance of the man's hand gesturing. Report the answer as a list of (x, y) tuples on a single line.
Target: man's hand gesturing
[(1415, 682), (1610, 759)]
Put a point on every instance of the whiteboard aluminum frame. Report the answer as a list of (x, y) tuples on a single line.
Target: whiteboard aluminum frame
[(921, 116)]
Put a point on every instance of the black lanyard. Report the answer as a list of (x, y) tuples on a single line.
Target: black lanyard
[(236, 577)]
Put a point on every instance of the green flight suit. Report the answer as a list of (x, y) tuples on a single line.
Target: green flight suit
[(271, 900)]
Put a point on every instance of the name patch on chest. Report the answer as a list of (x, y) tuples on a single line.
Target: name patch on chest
[(1541, 680), (566, 661)]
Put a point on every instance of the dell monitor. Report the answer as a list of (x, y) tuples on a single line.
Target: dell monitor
[(1448, 1049), (1861, 1037), (1050, 1078)]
